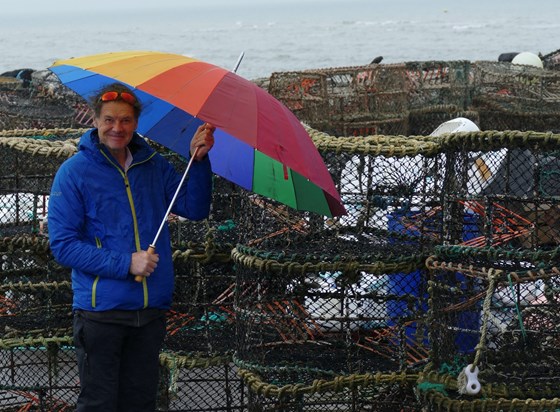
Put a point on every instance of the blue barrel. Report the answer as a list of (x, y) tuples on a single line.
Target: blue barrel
[(468, 320), (407, 285)]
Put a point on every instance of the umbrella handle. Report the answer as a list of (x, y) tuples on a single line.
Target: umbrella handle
[(151, 250)]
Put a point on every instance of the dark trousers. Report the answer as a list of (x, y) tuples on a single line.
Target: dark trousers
[(118, 365)]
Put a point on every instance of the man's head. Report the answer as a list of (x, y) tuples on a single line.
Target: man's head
[(117, 110)]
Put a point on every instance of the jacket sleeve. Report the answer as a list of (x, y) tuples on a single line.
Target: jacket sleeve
[(68, 236), (195, 197)]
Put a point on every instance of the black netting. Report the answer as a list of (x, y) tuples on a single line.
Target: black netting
[(447, 257)]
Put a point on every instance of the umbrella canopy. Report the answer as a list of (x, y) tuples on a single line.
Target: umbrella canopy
[(259, 144)]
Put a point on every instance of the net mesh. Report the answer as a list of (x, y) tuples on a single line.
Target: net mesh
[(447, 256)]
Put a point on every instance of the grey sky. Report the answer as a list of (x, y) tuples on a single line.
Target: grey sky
[(42, 6)]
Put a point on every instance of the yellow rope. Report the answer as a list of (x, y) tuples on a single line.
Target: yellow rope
[(530, 275), (373, 145), (273, 266), (258, 386)]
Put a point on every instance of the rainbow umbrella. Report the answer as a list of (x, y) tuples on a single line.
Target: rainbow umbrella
[(259, 144)]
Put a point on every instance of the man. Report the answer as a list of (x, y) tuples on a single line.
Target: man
[(105, 207)]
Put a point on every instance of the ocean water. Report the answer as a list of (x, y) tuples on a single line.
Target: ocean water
[(279, 35)]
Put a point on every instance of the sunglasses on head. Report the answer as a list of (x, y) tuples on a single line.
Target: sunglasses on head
[(112, 96)]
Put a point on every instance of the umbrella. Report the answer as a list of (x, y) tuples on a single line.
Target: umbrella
[(259, 144)]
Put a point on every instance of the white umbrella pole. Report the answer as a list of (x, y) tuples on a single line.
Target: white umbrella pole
[(152, 247), (153, 244)]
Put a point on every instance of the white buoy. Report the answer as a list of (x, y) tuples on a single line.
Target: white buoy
[(459, 124), (528, 59)]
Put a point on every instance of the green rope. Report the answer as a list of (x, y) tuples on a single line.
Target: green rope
[(428, 386), (517, 309), (493, 253)]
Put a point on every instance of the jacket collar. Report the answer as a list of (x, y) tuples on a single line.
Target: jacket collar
[(89, 143)]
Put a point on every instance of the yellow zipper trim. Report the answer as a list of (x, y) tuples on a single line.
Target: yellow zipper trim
[(133, 211), (94, 286)]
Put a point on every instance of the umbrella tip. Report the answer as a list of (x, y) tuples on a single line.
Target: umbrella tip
[(238, 62)]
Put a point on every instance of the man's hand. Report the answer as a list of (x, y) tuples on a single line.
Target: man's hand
[(203, 139), (143, 263)]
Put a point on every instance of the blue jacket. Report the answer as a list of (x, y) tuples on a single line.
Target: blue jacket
[(99, 215)]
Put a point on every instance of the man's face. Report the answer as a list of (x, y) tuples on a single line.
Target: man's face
[(116, 124)]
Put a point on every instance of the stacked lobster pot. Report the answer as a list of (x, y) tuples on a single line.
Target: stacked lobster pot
[(37, 361), (331, 311), (438, 91), (38, 101), (493, 289), (347, 101), (515, 97), (196, 371), (37, 365)]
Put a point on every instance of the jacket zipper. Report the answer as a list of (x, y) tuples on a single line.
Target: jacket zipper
[(133, 212), (94, 286)]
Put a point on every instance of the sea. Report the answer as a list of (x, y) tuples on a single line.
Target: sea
[(278, 35)]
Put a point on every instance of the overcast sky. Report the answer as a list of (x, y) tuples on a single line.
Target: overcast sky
[(43, 6)]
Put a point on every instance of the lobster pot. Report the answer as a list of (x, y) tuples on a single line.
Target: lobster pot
[(438, 92), (366, 92), (38, 374), (346, 101), (376, 176), (25, 113), (496, 309), (516, 97), (39, 101), (498, 114), (508, 182), (552, 60), (436, 83), (379, 392), (201, 319), (30, 159), (28, 108), (382, 176), (486, 284), (199, 383), (438, 400), (304, 93), (318, 307), (35, 293)]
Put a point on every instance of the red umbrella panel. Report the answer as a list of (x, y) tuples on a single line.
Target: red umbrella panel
[(260, 144)]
